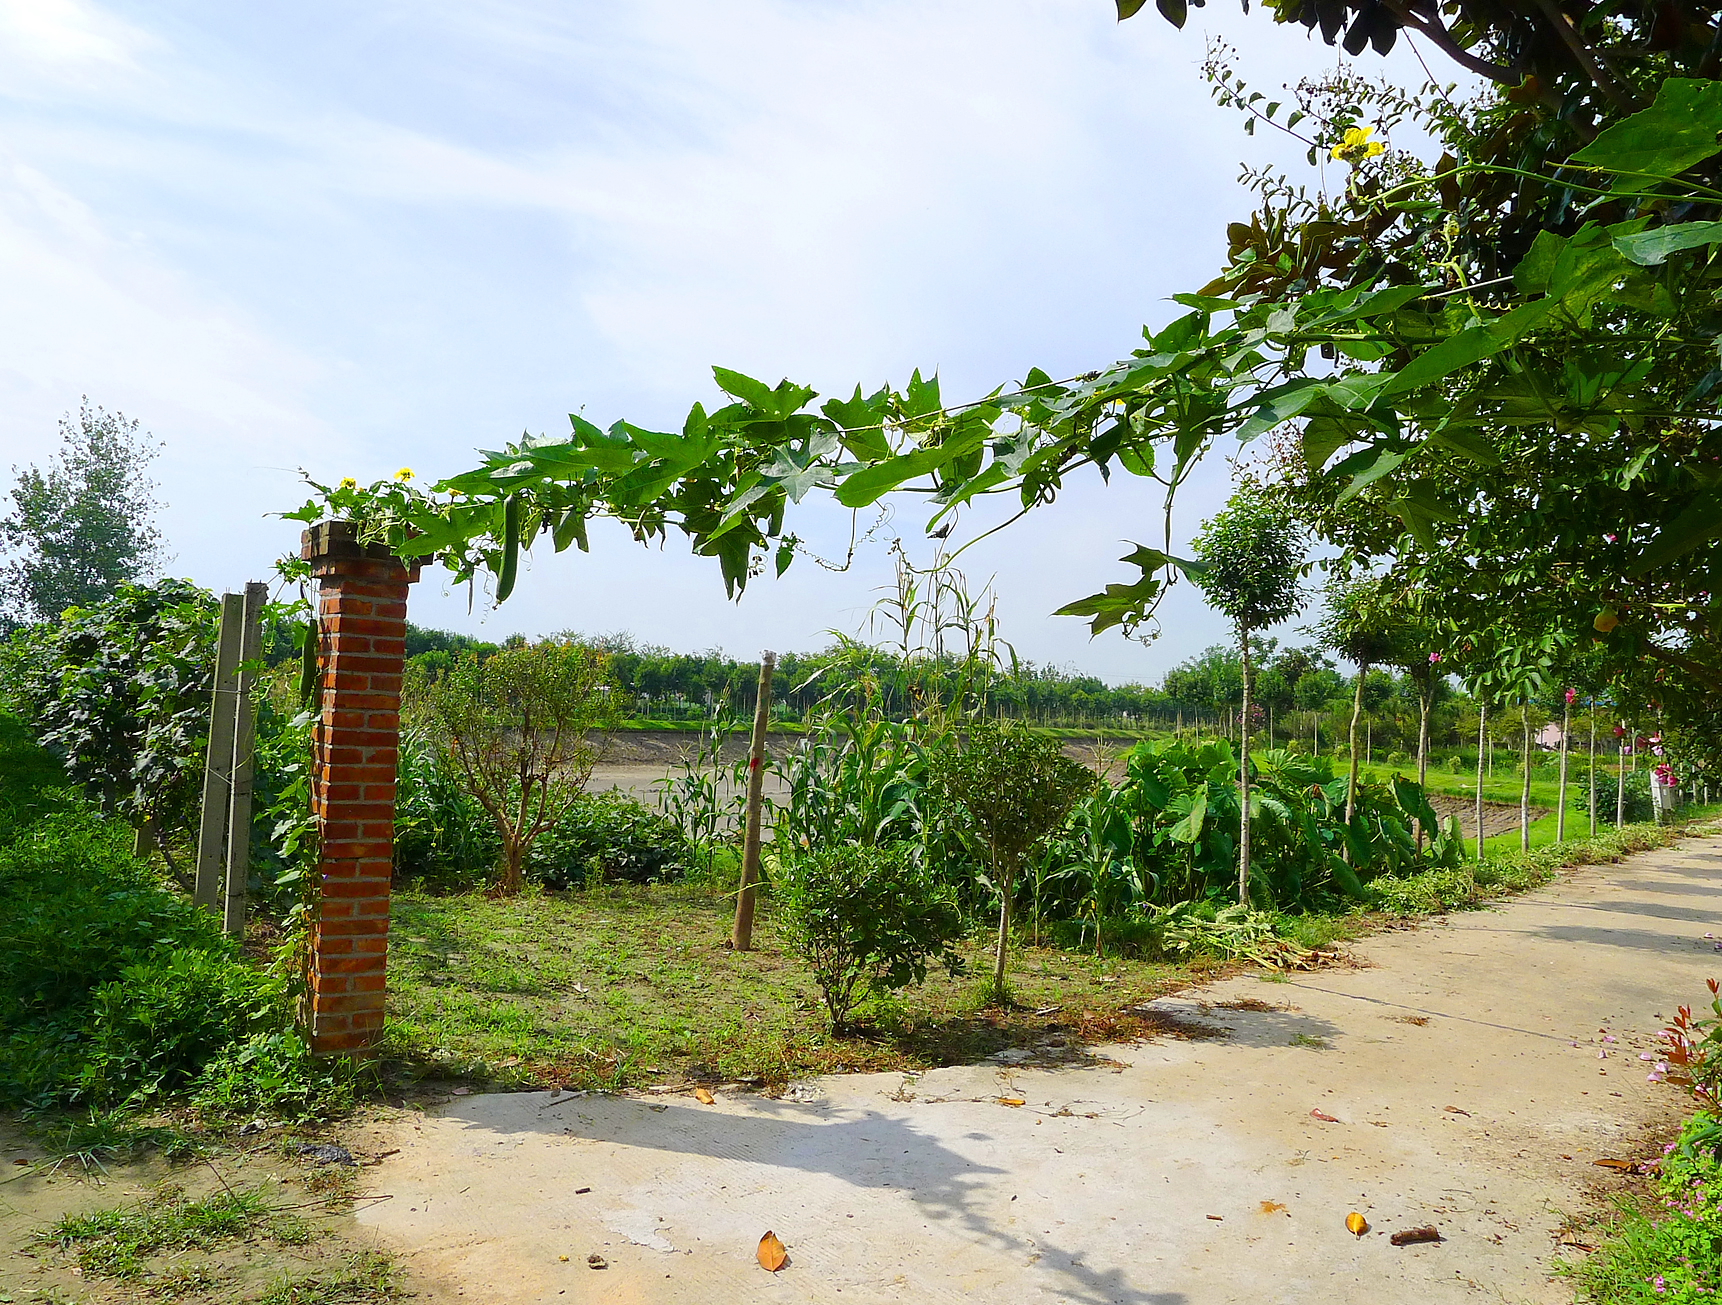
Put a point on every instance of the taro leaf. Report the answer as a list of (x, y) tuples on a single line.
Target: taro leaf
[(1415, 802), (1675, 132), (1650, 248), (1189, 829), (1698, 524)]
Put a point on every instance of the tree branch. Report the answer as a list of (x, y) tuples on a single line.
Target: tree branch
[(1605, 80), (1433, 28)]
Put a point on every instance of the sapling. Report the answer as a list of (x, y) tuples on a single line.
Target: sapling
[(1252, 562), (1015, 788)]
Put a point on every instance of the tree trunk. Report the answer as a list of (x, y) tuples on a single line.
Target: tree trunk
[(1561, 807), (1482, 735), (1003, 877), (1593, 770), (1525, 789), (1620, 780), (512, 878), (1244, 775), (1356, 716), (1425, 692)]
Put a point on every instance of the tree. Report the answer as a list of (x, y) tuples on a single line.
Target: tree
[(1359, 627), (516, 724), (121, 689), (82, 527), (1252, 565), (1015, 788)]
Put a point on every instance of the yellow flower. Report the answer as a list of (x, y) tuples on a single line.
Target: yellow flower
[(347, 482), (1357, 146), (404, 475)]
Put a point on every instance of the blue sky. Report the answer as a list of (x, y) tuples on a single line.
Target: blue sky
[(356, 237)]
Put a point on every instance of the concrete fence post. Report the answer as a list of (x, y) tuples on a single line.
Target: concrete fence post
[(361, 620)]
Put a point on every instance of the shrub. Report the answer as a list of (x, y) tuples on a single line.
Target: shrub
[(1640, 806), (609, 837), (79, 910), (154, 1028), (274, 1074), (866, 920)]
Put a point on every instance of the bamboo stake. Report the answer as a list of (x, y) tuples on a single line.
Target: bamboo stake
[(1620, 780), (741, 936), (218, 757), (244, 723)]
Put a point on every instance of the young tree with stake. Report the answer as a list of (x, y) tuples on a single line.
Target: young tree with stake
[(1252, 563), (1361, 627)]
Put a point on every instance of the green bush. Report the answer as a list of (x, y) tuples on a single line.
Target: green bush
[(274, 1074), (1640, 806), (79, 910), (866, 920), (154, 1029), (606, 838)]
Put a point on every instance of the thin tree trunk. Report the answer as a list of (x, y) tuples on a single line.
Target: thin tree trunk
[(1003, 879), (1620, 780), (1525, 788), (1425, 692), (1561, 808), (1244, 775), (1356, 716), (1482, 726), (1593, 770)]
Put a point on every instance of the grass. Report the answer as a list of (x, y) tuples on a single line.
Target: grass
[(628, 986), (624, 986), (117, 1243), (366, 1276)]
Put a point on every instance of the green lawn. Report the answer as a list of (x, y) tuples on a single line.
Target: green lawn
[(628, 985)]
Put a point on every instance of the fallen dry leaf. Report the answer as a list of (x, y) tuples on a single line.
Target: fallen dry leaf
[(1271, 1207), (1412, 1236), (596, 1261), (1012, 1101), (1217, 1218), (703, 1097), (772, 1255), (1621, 1166), (1325, 1118), (1454, 1110), (1356, 1224)]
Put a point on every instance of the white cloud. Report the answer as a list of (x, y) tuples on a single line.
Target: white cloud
[(362, 238)]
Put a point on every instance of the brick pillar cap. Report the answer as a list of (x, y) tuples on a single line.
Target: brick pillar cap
[(332, 546)]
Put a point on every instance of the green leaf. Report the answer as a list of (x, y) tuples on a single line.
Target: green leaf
[(1173, 11), (1189, 829), (1673, 134), (1375, 464), (1468, 443), (1698, 524), (1650, 248), (1467, 347), (780, 403), (1129, 8)]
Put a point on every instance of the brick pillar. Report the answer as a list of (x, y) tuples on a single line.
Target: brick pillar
[(362, 617)]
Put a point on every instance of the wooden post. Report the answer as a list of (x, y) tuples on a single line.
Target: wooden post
[(1525, 790), (244, 741), (218, 758), (1620, 780), (741, 937)]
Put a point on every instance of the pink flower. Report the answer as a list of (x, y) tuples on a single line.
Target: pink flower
[(1572, 696), (1612, 538), (1435, 659)]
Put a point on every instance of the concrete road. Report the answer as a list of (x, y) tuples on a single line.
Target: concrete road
[(1473, 1071)]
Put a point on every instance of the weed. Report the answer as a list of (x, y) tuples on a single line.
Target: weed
[(184, 1279), (114, 1243), (366, 1277), (96, 1137), (1306, 1040)]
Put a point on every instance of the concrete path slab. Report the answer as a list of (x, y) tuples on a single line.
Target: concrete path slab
[(1473, 1071)]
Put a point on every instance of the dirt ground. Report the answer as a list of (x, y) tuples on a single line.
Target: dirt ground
[(1498, 817), (1465, 1076), (304, 1249)]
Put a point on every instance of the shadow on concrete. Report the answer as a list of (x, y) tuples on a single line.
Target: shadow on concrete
[(863, 1148)]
